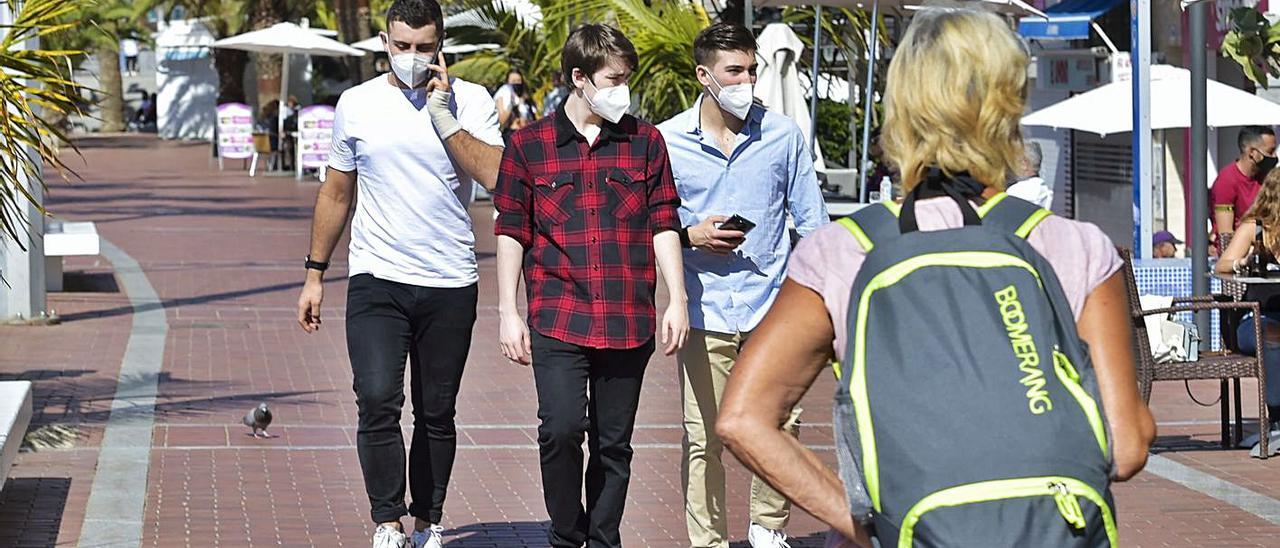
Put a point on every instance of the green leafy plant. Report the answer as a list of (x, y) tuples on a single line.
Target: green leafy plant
[(847, 31), (1254, 44), (533, 47), (34, 84), (834, 134)]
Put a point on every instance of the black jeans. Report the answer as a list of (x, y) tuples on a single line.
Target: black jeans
[(432, 326), (586, 390)]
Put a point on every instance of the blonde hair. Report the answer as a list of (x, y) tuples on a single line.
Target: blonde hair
[(1266, 212), (954, 96)]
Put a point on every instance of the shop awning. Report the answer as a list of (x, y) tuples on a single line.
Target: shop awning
[(1068, 20)]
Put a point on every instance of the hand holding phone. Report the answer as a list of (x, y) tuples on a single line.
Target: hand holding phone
[(719, 234), (738, 223)]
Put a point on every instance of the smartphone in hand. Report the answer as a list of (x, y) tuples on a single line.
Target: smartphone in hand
[(737, 222)]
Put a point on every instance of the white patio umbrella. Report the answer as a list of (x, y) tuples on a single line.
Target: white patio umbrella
[(287, 38), (1109, 109), (778, 81), (451, 46)]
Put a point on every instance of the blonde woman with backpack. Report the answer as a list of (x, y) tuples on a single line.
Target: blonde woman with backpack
[(940, 308)]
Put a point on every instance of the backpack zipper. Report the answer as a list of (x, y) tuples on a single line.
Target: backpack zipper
[(1068, 505), (1066, 493)]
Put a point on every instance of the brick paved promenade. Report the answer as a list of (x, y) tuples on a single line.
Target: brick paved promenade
[(223, 253)]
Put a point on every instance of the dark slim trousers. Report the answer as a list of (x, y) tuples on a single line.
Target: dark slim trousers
[(591, 393), (387, 322)]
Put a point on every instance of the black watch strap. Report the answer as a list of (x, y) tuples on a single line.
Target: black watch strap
[(684, 237), (316, 265)]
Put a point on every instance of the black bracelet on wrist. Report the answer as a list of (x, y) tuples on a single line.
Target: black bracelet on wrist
[(684, 237), (316, 265)]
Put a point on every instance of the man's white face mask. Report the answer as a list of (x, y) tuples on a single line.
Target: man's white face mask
[(610, 103), (735, 99), (410, 67)]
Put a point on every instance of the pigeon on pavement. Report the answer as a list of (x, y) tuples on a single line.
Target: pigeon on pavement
[(259, 418)]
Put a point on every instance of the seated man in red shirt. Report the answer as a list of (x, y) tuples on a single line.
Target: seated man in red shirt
[(586, 203), (1238, 184)]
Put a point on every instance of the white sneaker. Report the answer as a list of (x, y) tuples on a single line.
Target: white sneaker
[(763, 537), (387, 536), (429, 538)]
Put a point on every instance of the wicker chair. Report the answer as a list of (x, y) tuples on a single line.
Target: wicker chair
[(1220, 365), (1233, 289)]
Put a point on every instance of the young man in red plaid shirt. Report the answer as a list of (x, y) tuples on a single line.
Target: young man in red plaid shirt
[(586, 203)]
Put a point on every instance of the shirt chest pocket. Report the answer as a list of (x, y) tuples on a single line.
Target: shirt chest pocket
[(630, 192), (554, 197)]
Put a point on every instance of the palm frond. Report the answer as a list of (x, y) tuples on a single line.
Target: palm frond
[(33, 83)]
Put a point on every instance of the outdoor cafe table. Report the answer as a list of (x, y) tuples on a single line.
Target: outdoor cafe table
[(1265, 292)]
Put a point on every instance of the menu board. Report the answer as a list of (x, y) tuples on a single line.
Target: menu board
[(315, 134), (235, 131)]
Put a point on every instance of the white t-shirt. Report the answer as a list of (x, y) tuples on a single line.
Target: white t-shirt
[(129, 47), (411, 224), (1034, 190)]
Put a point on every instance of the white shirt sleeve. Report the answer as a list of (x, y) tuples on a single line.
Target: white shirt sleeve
[(1033, 190), (476, 112), (504, 96), (342, 155)]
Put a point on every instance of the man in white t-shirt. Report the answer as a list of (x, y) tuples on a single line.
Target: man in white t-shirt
[(409, 143), (1030, 185), (130, 49)]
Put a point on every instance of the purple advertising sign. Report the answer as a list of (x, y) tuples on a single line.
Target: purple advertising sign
[(235, 131), (315, 133)]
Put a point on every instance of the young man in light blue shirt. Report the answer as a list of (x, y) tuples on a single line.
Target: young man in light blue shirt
[(730, 157)]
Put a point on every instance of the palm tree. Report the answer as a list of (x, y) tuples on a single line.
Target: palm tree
[(263, 14), (532, 47), (35, 90), (353, 25), (106, 23)]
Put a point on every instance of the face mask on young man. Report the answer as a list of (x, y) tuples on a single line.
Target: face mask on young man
[(411, 67), (609, 103), (735, 99)]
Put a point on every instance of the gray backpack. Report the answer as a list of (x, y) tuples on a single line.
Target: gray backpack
[(968, 411)]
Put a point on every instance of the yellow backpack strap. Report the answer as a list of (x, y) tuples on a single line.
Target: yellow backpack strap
[(1012, 214), (872, 224), (857, 232)]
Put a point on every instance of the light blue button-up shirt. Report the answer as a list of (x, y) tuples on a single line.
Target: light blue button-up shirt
[(769, 174)]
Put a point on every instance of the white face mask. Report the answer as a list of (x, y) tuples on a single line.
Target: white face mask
[(735, 99), (610, 103), (410, 68)]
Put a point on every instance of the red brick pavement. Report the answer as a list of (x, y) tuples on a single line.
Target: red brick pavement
[(223, 252)]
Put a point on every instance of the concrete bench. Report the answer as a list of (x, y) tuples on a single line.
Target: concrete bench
[(62, 239), (15, 415)]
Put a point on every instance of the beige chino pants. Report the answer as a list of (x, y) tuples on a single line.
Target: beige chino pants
[(705, 363)]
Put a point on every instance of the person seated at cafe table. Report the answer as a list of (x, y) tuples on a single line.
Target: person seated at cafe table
[(1235, 260), (1164, 245)]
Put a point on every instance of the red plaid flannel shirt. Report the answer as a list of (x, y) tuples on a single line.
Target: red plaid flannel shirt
[(586, 215)]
